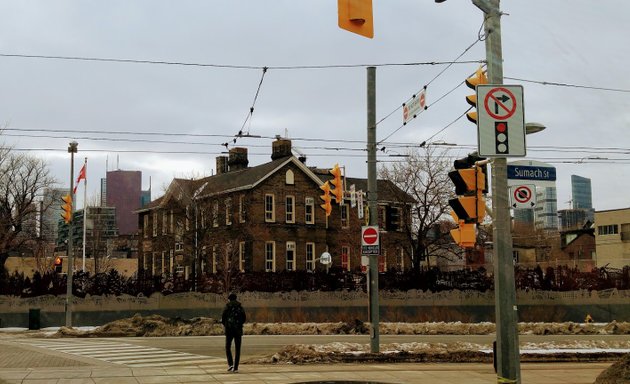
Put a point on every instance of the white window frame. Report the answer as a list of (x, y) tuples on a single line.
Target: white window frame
[(309, 210), (146, 226), (400, 259), (228, 213), (290, 250), (270, 211), (310, 256), (270, 256), (241, 256), (215, 249), (344, 213), (290, 209), (241, 209), (155, 224), (345, 250), (164, 222), (215, 213), (289, 177)]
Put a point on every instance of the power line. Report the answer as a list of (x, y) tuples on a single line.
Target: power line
[(568, 85), (231, 66)]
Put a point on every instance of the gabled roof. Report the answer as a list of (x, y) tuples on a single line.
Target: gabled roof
[(232, 181)]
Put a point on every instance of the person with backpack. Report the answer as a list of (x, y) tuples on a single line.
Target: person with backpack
[(233, 318)]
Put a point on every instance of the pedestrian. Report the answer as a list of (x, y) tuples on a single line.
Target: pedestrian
[(233, 318)]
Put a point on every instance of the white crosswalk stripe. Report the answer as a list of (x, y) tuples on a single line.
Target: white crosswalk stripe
[(130, 355)]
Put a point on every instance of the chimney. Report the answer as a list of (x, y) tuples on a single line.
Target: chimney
[(222, 165), (238, 159), (280, 148)]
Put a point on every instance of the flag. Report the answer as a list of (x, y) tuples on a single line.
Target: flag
[(81, 177)]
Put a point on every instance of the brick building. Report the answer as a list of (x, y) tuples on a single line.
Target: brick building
[(263, 218)]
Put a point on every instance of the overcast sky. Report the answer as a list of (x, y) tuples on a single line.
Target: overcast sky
[(115, 109)]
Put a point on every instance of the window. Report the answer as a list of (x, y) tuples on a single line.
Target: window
[(270, 214), (215, 214), (241, 209), (611, 229), (164, 222), (146, 225), (215, 249), (188, 218), (381, 217), (345, 257), (228, 211), (344, 215), (270, 256), (172, 261), (400, 259), (179, 246), (172, 221), (382, 262), (153, 263), (163, 269), (241, 256), (309, 210), (290, 209), (290, 256), (155, 223), (310, 256), (289, 177)]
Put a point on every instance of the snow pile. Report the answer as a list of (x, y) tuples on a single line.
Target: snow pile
[(156, 325), (618, 373)]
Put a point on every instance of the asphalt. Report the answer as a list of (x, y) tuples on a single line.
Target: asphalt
[(29, 365)]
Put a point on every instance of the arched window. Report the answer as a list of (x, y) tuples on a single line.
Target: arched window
[(290, 180)]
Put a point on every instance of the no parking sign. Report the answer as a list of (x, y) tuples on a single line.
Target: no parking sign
[(523, 196)]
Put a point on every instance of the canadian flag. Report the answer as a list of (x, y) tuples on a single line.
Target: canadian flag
[(81, 177)]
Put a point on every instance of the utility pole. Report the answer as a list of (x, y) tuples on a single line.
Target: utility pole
[(508, 358), (372, 205), (72, 149)]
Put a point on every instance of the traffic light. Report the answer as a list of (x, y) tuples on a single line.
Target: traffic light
[(501, 137), (326, 198), (464, 235), (67, 208), (470, 206), (337, 182), (58, 265), (356, 16), (472, 82)]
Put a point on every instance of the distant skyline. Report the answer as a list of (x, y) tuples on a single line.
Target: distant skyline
[(161, 87)]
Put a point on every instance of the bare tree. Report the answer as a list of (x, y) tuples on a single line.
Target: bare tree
[(424, 176), (22, 180)]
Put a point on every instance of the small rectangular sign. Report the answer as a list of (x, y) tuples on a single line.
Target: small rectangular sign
[(524, 172)]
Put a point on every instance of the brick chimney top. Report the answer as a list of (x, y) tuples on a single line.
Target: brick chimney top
[(280, 148), (238, 159)]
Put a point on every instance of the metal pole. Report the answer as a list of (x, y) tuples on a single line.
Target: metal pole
[(508, 359), (372, 205), (84, 214), (72, 149)]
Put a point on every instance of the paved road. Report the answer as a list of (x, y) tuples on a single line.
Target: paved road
[(256, 345)]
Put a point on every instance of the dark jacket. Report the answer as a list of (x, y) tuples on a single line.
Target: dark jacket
[(233, 308)]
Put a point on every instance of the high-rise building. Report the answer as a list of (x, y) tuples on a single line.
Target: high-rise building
[(51, 212), (124, 191), (581, 192)]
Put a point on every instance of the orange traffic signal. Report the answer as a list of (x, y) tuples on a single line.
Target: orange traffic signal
[(337, 182), (356, 16), (66, 208), (472, 82), (326, 198)]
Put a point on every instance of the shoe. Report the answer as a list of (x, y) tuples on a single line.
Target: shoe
[(230, 369), (235, 370)]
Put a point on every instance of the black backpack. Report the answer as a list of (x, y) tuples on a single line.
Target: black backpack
[(234, 316)]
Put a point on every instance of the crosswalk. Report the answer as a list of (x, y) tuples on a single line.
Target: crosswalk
[(126, 354)]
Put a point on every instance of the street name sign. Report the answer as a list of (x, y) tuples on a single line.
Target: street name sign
[(413, 107), (500, 120)]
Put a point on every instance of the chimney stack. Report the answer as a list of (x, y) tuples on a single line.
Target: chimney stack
[(238, 159), (222, 165), (280, 148)]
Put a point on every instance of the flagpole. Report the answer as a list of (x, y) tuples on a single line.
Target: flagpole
[(84, 209)]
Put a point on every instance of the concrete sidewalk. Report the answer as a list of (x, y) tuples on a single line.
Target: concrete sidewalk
[(30, 365), (547, 373)]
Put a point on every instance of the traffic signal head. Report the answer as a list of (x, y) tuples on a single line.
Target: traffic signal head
[(58, 265), (356, 16), (326, 198), (472, 82), (464, 235), (470, 184), (501, 137), (337, 182), (66, 208)]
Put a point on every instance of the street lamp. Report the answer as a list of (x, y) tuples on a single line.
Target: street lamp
[(72, 149), (531, 128)]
